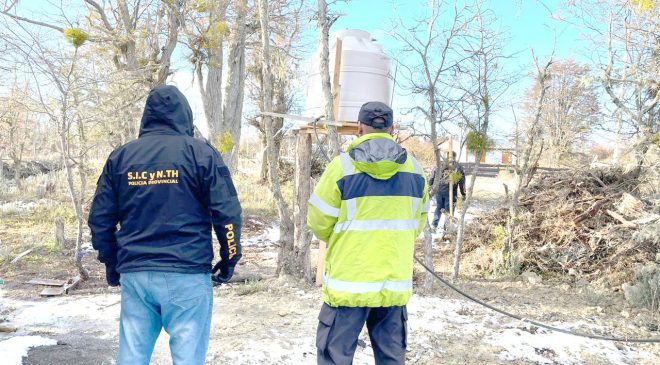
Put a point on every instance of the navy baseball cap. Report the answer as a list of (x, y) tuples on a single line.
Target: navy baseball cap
[(376, 114)]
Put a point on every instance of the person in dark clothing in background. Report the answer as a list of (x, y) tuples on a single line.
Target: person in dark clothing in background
[(165, 190), (442, 196)]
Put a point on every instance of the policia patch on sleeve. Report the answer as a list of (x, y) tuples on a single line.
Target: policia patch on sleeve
[(156, 177)]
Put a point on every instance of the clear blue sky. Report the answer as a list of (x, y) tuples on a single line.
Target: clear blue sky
[(529, 24)]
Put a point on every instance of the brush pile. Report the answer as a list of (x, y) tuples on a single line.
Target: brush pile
[(590, 224)]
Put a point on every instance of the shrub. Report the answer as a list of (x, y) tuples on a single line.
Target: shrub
[(644, 292), (478, 142)]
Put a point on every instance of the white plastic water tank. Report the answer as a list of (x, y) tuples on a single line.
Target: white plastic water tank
[(364, 75)]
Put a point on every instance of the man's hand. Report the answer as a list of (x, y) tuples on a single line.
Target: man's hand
[(222, 273), (112, 276)]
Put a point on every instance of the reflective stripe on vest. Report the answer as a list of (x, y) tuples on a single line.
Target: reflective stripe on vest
[(377, 225), (427, 206), (324, 207), (351, 209), (415, 205), (346, 164), (357, 287)]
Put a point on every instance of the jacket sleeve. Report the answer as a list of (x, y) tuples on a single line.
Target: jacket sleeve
[(461, 182), (222, 201), (323, 206), (103, 218), (426, 205)]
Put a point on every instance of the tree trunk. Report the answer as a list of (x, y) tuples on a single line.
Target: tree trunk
[(17, 172), (263, 174), (324, 61), (485, 100), (429, 279), (60, 238), (460, 233), (213, 96), (296, 255), (524, 174), (286, 223), (75, 201), (174, 16), (211, 88), (234, 91)]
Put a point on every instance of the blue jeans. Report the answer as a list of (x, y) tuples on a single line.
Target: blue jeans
[(179, 303), (441, 202)]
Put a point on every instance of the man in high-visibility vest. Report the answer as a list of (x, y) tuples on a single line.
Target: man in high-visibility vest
[(369, 206)]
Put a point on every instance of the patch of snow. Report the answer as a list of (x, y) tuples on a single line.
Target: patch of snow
[(13, 350), (438, 315), (58, 315), (548, 347), (453, 317), (17, 206), (271, 236)]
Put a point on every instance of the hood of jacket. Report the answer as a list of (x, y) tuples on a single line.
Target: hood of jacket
[(378, 155), (166, 112)]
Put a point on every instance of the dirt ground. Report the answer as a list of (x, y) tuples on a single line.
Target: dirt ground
[(273, 321)]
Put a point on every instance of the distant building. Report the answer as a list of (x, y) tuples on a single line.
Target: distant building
[(500, 154)]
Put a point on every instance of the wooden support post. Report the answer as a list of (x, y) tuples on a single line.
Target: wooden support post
[(302, 191), (336, 86), (320, 263), (336, 90)]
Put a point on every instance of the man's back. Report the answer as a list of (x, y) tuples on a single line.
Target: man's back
[(165, 190), (380, 210), (369, 205), (160, 188)]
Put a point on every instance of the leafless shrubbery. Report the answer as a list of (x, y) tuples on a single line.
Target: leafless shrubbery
[(645, 290)]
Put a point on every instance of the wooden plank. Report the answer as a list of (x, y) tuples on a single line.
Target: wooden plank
[(73, 283), (7, 329), (349, 131), (621, 219), (336, 87), (320, 263), (308, 119), (48, 282), (53, 291), (21, 255)]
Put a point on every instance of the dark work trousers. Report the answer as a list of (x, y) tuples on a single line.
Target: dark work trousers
[(441, 202), (339, 328)]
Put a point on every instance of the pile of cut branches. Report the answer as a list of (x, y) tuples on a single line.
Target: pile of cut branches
[(590, 223)]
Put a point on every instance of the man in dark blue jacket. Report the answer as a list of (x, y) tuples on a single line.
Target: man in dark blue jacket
[(442, 196), (165, 190)]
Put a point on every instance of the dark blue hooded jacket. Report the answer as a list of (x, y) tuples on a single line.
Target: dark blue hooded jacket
[(165, 190)]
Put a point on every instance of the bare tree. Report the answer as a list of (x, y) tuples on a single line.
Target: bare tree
[(434, 49), (284, 32), (284, 212), (627, 51), (534, 129), (324, 21), (206, 30), (484, 83), (138, 37), (60, 96), (16, 126), (234, 90), (571, 108)]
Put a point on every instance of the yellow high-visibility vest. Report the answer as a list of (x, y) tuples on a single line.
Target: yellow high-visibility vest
[(370, 205)]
